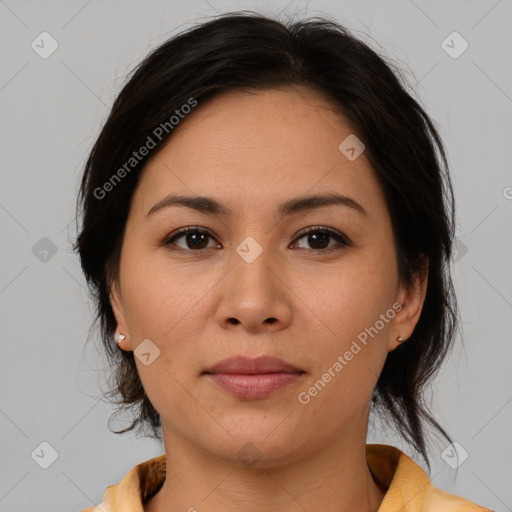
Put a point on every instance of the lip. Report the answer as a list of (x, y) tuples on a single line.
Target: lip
[(242, 365), (253, 378)]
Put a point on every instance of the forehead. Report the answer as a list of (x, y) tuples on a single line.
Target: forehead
[(256, 147)]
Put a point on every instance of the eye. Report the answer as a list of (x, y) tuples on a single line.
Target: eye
[(195, 239), (318, 237)]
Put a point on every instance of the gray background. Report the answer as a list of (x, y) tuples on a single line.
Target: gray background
[(51, 110)]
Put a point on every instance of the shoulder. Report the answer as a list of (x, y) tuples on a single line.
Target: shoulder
[(438, 500), (134, 489), (409, 488)]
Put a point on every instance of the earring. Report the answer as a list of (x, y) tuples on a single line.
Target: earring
[(399, 339), (119, 338)]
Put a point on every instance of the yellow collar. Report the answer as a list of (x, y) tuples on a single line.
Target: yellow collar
[(408, 486)]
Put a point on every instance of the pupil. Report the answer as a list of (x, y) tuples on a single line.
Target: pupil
[(316, 235), (192, 236)]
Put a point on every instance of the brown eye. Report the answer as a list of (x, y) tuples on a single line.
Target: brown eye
[(319, 237), (194, 239)]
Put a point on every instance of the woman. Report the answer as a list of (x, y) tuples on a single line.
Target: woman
[(267, 221)]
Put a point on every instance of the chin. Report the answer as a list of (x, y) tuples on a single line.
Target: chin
[(258, 449)]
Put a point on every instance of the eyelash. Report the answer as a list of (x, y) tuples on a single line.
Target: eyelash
[(342, 240)]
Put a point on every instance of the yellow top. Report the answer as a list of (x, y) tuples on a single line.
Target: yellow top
[(408, 487)]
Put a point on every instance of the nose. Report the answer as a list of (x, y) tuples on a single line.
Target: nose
[(254, 296)]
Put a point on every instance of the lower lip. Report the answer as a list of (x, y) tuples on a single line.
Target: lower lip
[(254, 386)]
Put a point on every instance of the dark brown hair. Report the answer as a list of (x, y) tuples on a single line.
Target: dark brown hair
[(248, 51)]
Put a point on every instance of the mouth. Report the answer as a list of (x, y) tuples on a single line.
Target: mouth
[(253, 378)]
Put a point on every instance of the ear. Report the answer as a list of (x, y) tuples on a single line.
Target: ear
[(116, 301), (412, 298)]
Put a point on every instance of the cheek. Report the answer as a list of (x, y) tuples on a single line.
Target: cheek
[(354, 297), (355, 315), (163, 305), (349, 356), (168, 305), (156, 293)]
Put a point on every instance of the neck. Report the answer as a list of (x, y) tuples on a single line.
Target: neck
[(332, 477)]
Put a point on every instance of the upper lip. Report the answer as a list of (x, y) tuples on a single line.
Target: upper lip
[(250, 366)]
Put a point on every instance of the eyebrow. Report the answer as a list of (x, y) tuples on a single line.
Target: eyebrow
[(211, 206)]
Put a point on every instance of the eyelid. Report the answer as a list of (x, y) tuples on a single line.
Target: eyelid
[(177, 233), (331, 231), (343, 240)]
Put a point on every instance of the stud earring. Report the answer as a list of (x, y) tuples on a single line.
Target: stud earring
[(399, 339), (119, 337)]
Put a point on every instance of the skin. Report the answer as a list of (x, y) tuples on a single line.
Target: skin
[(251, 152)]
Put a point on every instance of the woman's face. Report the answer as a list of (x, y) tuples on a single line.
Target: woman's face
[(249, 282)]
